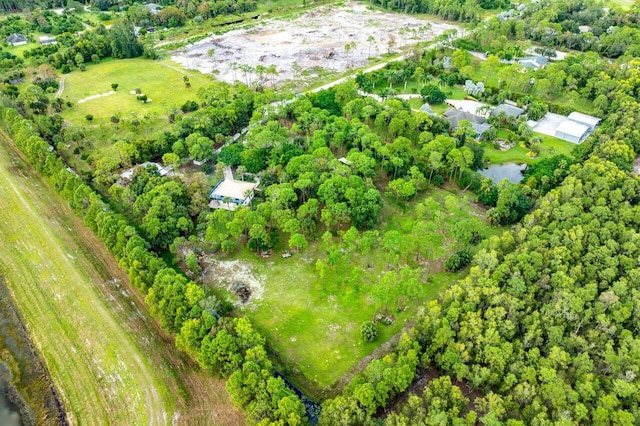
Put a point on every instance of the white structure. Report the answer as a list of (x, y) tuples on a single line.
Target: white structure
[(47, 40), (572, 131), (588, 120), (153, 7), (128, 174), (229, 194), (472, 107)]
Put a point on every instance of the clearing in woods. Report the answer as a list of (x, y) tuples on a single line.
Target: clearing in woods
[(109, 360)]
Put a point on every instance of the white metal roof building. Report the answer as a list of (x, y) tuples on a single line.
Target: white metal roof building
[(472, 107), (587, 120), (572, 131), (231, 193)]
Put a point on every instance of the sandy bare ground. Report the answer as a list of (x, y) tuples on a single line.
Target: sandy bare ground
[(307, 40), (227, 273), (99, 95)]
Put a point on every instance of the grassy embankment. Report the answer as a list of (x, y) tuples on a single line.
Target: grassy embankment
[(109, 360), (313, 322)]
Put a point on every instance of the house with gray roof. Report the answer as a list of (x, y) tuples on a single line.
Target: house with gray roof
[(454, 117), (154, 8), (511, 111), (16, 39), (533, 62)]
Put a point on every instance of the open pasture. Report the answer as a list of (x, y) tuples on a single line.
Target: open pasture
[(161, 81)]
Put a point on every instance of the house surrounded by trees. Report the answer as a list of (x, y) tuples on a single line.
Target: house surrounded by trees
[(16, 39), (230, 194)]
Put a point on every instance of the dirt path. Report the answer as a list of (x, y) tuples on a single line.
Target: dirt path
[(364, 71), (61, 87), (108, 358)]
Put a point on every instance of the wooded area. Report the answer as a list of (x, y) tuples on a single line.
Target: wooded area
[(542, 329)]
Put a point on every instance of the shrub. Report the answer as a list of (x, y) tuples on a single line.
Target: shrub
[(369, 331), (458, 260)]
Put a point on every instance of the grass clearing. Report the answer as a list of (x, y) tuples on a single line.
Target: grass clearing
[(110, 362), (313, 322), (161, 81)]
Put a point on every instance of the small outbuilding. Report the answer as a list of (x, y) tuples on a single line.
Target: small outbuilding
[(47, 40), (154, 7), (572, 131), (16, 39), (588, 120)]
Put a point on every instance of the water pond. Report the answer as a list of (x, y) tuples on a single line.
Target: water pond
[(510, 171)]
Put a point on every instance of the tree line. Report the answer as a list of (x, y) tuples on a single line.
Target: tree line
[(229, 347)]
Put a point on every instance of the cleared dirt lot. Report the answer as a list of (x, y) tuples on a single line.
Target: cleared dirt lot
[(315, 41)]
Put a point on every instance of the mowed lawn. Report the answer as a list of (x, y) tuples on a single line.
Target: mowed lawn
[(549, 147), (162, 82), (314, 322), (106, 357)]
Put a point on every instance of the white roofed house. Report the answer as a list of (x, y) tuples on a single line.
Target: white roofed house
[(230, 194)]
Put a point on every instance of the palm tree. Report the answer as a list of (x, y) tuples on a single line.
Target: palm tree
[(370, 40)]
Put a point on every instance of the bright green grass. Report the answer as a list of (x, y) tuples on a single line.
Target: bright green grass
[(97, 362), (314, 323), (161, 81), (625, 4), (518, 154)]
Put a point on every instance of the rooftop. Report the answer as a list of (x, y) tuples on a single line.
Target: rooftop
[(510, 110), (233, 189), (572, 128), (456, 116), (15, 38), (584, 118), (533, 61), (473, 107)]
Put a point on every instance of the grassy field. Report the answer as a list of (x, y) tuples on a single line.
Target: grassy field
[(109, 360), (161, 81), (313, 322)]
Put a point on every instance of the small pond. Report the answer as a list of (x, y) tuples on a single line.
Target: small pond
[(509, 171)]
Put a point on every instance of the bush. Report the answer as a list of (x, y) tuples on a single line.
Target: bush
[(432, 94), (189, 106), (369, 331), (437, 180), (458, 260)]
